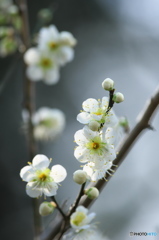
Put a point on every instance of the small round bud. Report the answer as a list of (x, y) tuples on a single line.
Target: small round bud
[(80, 176), (108, 84), (93, 125), (92, 193), (118, 97), (46, 208), (45, 15)]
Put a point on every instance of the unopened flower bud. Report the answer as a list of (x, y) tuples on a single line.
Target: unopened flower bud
[(118, 97), (94, 126), (92, 193), (108, 84), (46, 208), (45, 15), (80, 176)]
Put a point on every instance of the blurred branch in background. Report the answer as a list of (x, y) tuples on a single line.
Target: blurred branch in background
[(29, 105)]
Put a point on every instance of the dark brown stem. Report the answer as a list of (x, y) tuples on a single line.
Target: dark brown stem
[(29, 104), (143, 122), (74, 206), (58, 207)]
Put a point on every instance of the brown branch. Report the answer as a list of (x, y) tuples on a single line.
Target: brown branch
[(74, 206), (29, 104), (143, 122), (58, 207)]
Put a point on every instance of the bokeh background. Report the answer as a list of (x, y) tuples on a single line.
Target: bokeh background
[(117, 39)]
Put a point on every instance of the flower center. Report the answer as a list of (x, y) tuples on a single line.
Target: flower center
[(49, 122), (46, 63), (78, 218), (52, 45), (98, 112), (42, 176), (95, 145)]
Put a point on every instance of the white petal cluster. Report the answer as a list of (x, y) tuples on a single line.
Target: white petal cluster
[(80, 219), (96, 111), (42, 180), (48, 123), (96, 150), (54, 50)]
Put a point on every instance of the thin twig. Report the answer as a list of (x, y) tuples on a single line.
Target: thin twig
[(74, 206), (58, 207), (142, 124)]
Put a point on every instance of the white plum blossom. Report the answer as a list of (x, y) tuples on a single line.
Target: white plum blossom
[(93, 146), (80, 219), (96, 171), (48, 123), (41, 66), (86, 234), (42, 180), (96, 111), (59, 44)]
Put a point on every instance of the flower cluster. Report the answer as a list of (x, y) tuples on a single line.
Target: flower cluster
[(41, 180), (54, 50), (100, 135)]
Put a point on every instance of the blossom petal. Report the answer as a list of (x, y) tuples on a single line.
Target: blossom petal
[(82, 209), (90, 105), (64, 55), (52, 76), (31, 56), (50, 189), (90, 217), (80, 154), (105, 102), (40, 161), (110, 135), (79, 137), (58, 173), (112, 153), (27, 173), (83, 117), (32, 191), (34, 73)]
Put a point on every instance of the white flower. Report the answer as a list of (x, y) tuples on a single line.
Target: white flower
[(58, 44), (96, 111), (93, 146), (42, 180), (41, 66), (96, 171), (86, 234), (48, 123), (80, 219)]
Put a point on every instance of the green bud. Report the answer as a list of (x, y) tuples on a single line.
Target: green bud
[(118, 97), (46, 208), (80, 176), (45, 15), (92, 193), (108, 84)]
